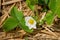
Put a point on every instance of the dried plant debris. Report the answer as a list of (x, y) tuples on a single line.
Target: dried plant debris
[(57, 25), (44, 12), (42, 36)]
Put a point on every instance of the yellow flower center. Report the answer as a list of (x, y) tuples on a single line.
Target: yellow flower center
[(31, 21)]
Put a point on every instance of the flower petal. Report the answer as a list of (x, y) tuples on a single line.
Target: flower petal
[(28, 24)]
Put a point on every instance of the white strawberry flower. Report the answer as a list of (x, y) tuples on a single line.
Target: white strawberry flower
[(30, 22)]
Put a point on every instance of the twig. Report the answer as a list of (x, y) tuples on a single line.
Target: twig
[(11, 8), (46, 32), (50, 27), (43, 16), (10, 2), (4, 17), (46, 27), (20, 6), (50, 31), (3, 2)]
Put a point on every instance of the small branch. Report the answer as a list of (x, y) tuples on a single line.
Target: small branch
[(3, 6), (43, 16), (10, 2), (45, 31), (4, 17), (50, 27), (51, 32), (20, 6), (11, 8)]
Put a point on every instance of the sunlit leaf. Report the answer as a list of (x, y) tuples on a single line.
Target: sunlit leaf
[(49, 18), (46, 1), (58, 12), (52, 5), (20, 18), (16, 14), (10, 24), (58, 8), (31, 3)]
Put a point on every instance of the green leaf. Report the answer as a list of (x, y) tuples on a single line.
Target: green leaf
[(10, 24), (52, 5), (58, 8), (58, 12), (31, 3), (41, 22), (16, 14), (24, 27), (43, 2), (20, 18), (49, 18), (46, 1)]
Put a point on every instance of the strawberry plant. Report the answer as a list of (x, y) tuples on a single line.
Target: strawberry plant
[(17, 17)]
